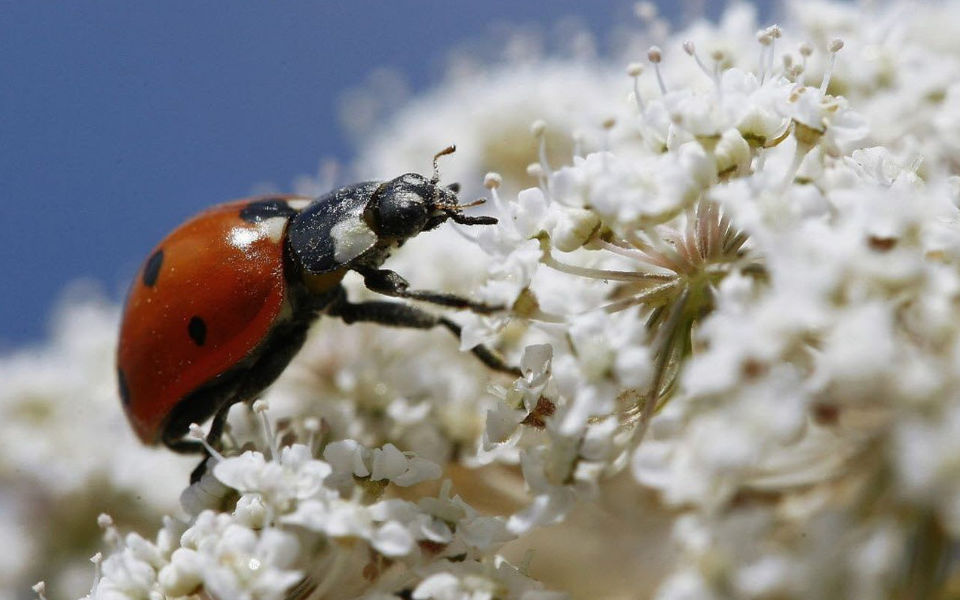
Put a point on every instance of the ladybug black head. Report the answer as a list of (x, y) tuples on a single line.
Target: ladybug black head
[(403, 207)]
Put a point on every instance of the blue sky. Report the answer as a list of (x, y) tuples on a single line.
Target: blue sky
[(119, 119)]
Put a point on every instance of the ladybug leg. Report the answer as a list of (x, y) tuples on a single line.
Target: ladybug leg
[(215, 435), (185, 446), (396, 314), (214, 439), (193, 446), (199, 471), (390, 283), (486, 355)]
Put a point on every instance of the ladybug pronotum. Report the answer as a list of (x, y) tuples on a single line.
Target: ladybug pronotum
[(221, 306)]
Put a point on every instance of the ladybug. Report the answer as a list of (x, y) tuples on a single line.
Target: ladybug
[(221, 306)]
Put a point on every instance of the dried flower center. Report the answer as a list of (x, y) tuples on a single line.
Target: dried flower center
[(678, 271)]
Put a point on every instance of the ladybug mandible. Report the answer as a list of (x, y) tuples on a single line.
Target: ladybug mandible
[(222, 305)]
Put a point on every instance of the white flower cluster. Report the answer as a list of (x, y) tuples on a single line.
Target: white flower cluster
[(299, 526), (732, 286), (745, 261)]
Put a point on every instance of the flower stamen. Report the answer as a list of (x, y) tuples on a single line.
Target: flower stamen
[(39, 589), (96, 559), (805, 51), (539, 131), (111, 534), (691, 50), (261, 407), (197, 433), (654, 55), (835, 46), (312, 426), (634, 70), (765, 40)]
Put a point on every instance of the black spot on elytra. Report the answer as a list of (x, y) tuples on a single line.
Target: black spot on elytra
[(152, 269), (197, 329), (124, 390), (262, 210)]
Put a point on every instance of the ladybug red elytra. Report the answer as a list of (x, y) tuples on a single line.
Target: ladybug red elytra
[(222, 305)]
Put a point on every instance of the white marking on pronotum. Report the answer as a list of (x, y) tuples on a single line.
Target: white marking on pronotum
[(351, 237), (299, 203), (273, 228)]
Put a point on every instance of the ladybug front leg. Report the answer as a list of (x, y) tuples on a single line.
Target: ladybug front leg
[(486, 355), (390, 283), (184, 446), (396, 314), (214, 440)]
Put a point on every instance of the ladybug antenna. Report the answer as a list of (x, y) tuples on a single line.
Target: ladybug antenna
[(476, 202), (436, 170)]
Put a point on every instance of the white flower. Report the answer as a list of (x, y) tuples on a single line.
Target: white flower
[(347, 456), (243, 564), (232, 561), (295, 476), (132, 572), (472, 581), (392, 465), (349, 459), (392, 539), (332, 516), (445, 586), (550, 501)]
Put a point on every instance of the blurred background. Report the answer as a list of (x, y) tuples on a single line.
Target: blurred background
[(118, 120)]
